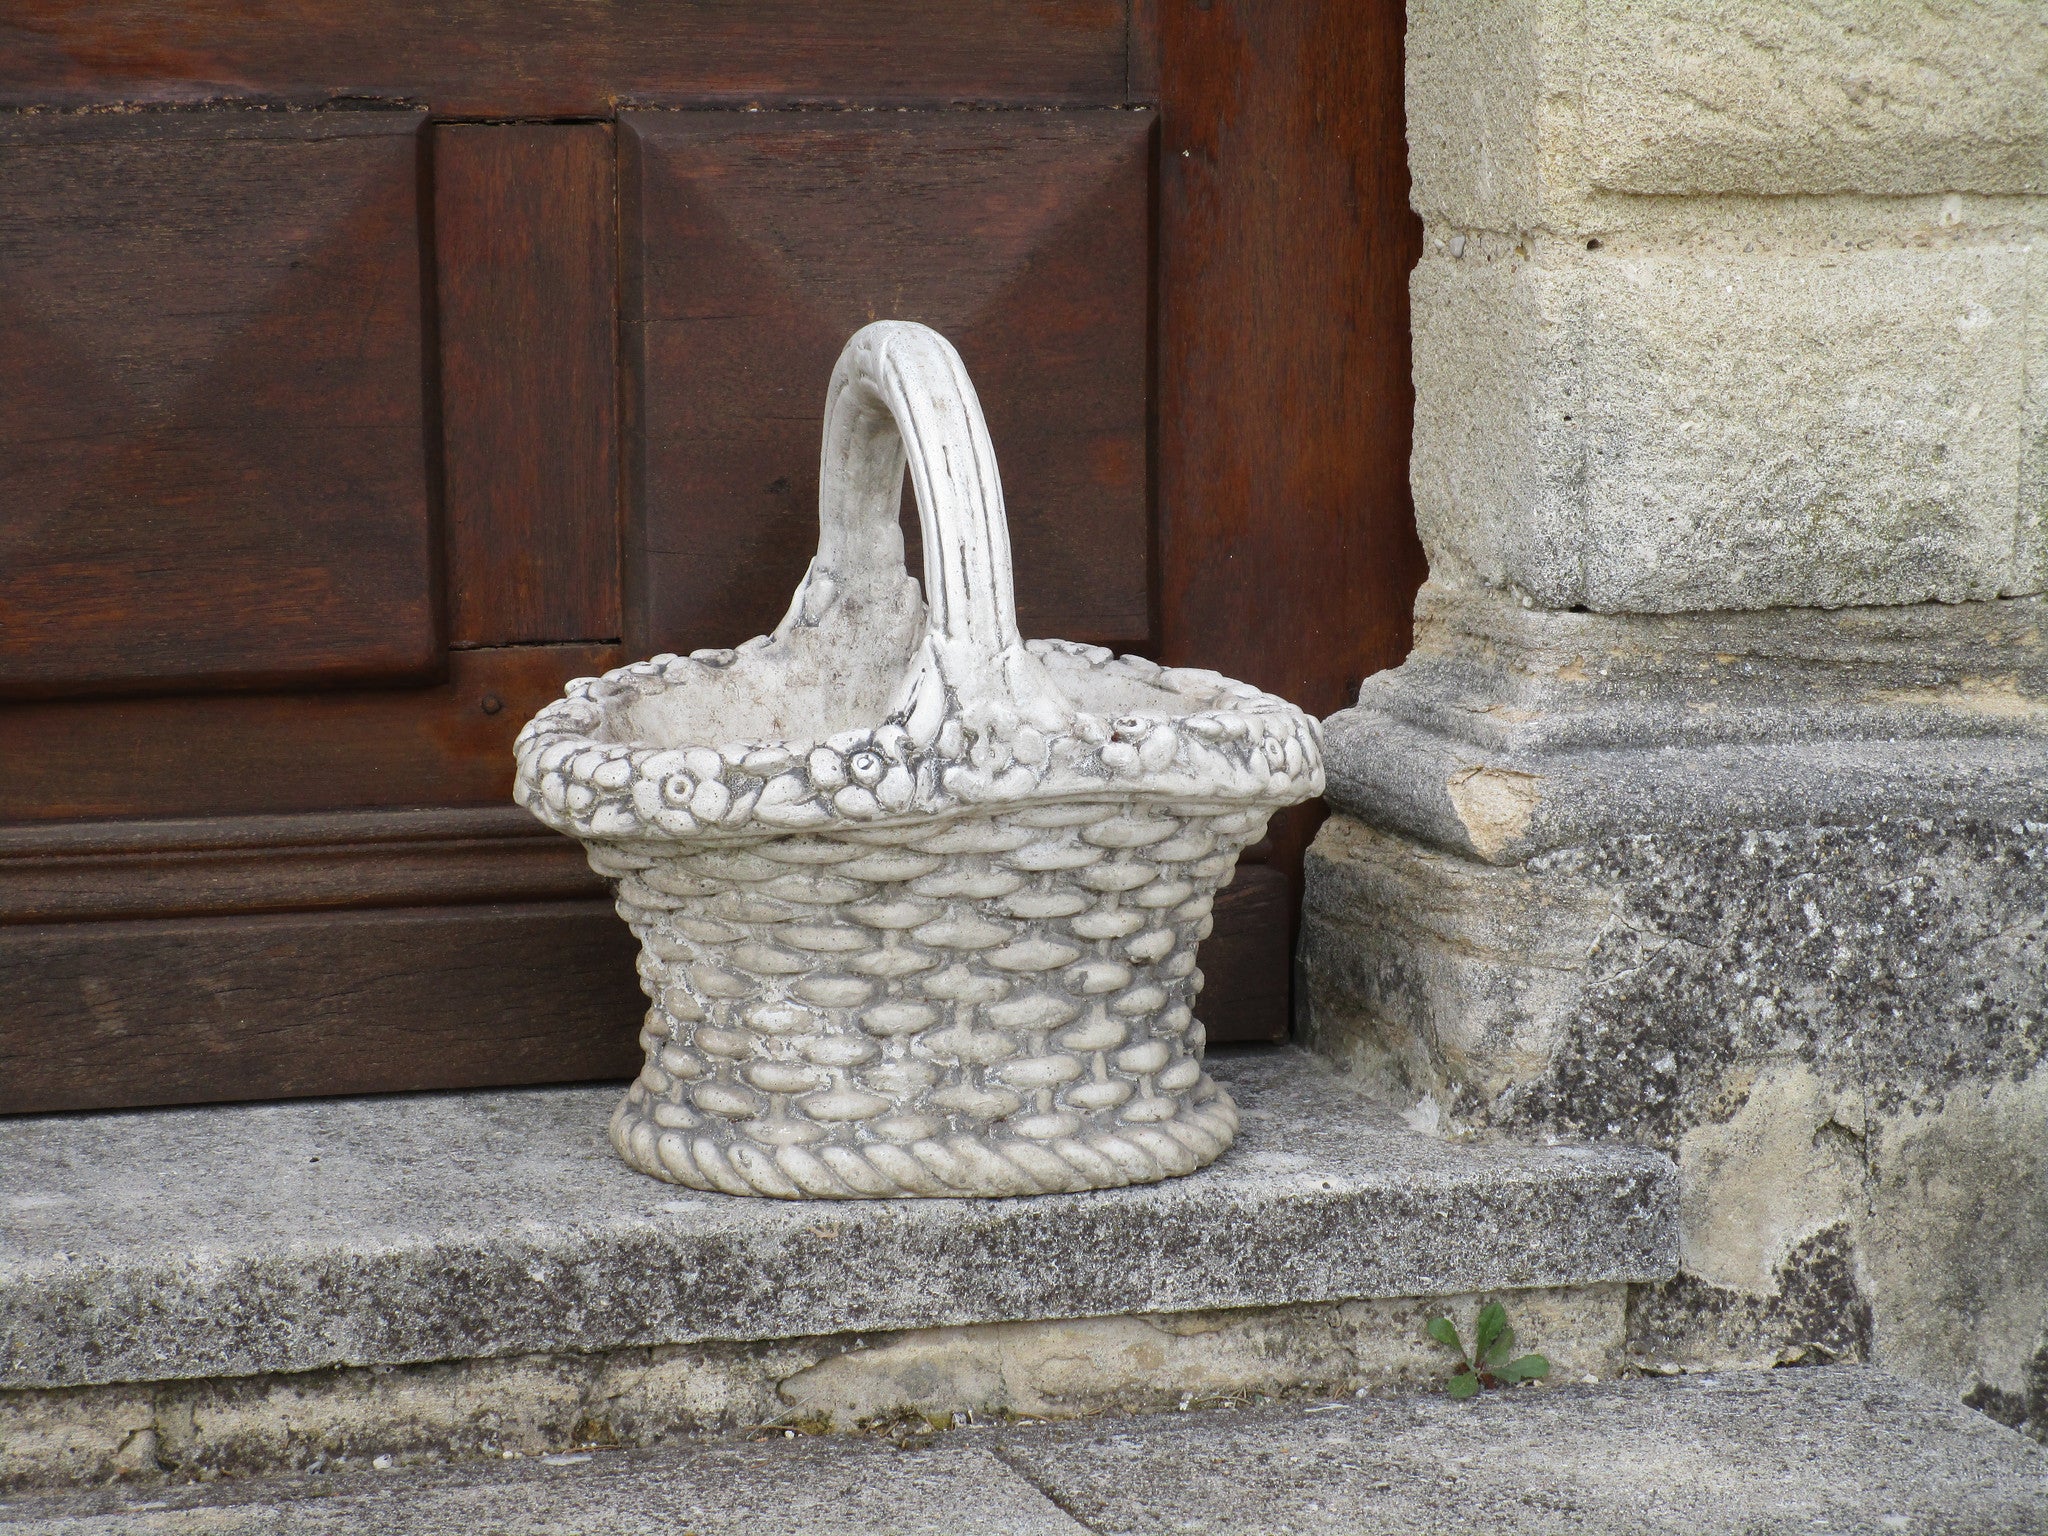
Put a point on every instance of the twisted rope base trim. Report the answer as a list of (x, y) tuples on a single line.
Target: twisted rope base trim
[(949, 1167)]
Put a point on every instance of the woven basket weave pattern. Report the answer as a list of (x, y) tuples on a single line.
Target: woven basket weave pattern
[(989, 1004)]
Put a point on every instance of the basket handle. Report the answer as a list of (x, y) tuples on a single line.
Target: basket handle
[(900, 393)]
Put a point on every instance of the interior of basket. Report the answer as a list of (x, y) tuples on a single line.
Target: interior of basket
[(842, 672)]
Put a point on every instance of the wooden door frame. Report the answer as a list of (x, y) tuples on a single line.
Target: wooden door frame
[(1288, 552)]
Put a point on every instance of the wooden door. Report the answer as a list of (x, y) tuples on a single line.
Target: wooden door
[(373, 369)]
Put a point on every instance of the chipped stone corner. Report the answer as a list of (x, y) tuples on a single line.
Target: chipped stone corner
[(1813, 1312), (1495, 805), (919, 1380), (1432, 976)]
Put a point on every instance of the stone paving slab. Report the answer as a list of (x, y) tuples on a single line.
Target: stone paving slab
[(243, 1239), (1841, 1451), (1836, 1450), (809, 1488)]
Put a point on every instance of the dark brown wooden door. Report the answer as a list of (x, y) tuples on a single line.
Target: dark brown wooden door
[(371, 370)]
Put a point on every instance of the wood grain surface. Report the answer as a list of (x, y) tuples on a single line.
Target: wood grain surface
[(1248, 961), (1286, 530), (756, 244), (191, 1011), (213, 452), (562, 58), (1141, 74), (406, 420), (1287, 546), (525, 245), (250, 754)]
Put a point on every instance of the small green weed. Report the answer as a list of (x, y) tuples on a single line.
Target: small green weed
[(1489, 1365)]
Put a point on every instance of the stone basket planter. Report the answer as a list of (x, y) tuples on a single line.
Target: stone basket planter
[(917, 899)]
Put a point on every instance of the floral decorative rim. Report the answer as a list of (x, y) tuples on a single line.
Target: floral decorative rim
[(1235, 745)]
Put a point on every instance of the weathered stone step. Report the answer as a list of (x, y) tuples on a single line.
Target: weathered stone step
[(260, 1288), (1839, 1450), (244, 1239)]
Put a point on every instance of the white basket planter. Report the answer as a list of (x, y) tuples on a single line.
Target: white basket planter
[(917, 899)]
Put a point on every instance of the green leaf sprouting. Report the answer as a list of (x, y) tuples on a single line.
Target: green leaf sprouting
[(1493, 1362)]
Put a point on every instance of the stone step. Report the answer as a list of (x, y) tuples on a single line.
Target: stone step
[(279, 1248), (242, 1239), (1836, 1450)]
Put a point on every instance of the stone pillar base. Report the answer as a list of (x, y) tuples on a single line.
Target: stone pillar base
[(1766, 890)]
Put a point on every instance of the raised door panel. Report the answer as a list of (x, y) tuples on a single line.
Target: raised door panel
[(214, 465), (756, 243)]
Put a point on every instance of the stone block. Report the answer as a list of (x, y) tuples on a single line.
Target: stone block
[(1664, 428), (1513, 731), (1958, 1203), (248, 1239), (1815, 96), (1092, 1365), (1837, 1033), (2031, 541), (759, 1488), (1522, 110), (1850, 1452), (1487, 120)]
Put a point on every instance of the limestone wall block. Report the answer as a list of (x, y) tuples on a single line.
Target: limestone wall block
[(1662, 427), (1485, 127), (1816, 95), (1518, 108)]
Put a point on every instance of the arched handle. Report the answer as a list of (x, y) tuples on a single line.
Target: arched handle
[(900, 393)]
